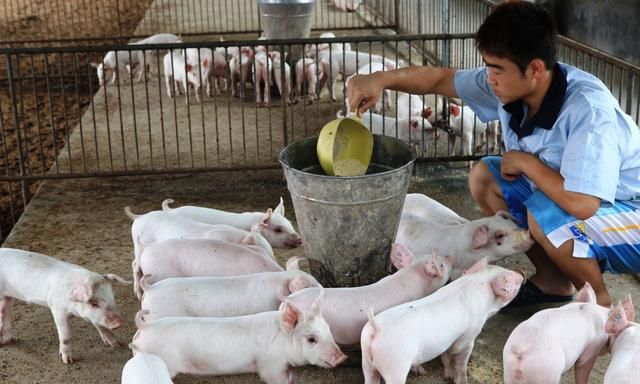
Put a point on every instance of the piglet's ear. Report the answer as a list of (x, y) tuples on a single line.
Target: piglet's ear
[(401, 256), (290, 316), (586, 294), (81, 291), (480, 237), (617, 320), (432, 267), (627, 305), (265, 218), (280, 208)]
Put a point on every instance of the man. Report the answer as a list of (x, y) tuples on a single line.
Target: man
[(571, 170)]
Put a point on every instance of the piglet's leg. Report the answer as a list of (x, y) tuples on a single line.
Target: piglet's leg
[(6, 335), (584, 370), (459, 360), (273, 374), (107, 336), (448, 367), (64, 335)]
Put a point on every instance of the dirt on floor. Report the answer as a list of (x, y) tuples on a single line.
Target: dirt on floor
[(47, 121)]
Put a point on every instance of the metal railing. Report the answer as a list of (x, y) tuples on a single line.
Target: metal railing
[(74, 21)]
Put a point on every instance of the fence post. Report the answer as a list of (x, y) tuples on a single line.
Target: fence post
[(446, 44), (285, 128), (26, 196), (396, 15)]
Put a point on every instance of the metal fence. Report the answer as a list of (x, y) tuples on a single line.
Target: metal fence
[(56, 121), (72, 21)]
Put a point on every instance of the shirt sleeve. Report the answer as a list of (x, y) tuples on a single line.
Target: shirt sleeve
[(591, 159), (472, 87)]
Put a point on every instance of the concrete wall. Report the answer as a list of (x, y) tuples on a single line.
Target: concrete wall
[(611, 26)]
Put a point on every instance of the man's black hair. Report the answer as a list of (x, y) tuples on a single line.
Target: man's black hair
[(519, 31)]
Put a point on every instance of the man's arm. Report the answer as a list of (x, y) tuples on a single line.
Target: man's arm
[(365, 90), (549, 181)]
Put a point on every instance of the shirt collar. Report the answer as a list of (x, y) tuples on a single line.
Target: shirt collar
[(549, 108)]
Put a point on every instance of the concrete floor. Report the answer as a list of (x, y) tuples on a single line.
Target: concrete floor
[(81, 221)]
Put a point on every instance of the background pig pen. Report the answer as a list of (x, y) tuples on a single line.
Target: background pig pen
[(81, 221)]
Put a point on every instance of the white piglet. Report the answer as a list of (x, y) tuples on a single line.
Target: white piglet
[(410, 130), (306, 76), (624, 345), (273, 225), (283, 84), (268, 343), (201, 257), (552, 341), (345, 309), (158, 226), (473, 132), (115, 62), (176, 72), (225, 296), (494, 237), (145, 368), (67, 289), (150, 56), (201, 60), (445, 323)]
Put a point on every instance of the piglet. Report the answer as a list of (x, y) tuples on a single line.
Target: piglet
[(624, 345), (176, 72), (445, 323), (115, 62), (145, 368), (273, 225), (283, 84), (201, 60), (67, 289), (410, 130), (202, 257), (345, 309), (549, 343), (473, 132), (157, 226), (269, 343), (306, 74), (222, 296), (427, 208), (494, 237)]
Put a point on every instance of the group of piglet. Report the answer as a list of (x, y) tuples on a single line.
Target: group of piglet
[(214, 301)]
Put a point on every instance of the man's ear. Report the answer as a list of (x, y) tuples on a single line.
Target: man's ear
[(536, 67)]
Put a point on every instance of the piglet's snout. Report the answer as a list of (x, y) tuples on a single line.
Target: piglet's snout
[(114, 321), (335, 357)]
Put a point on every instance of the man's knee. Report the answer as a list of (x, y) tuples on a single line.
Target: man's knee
[(482, 183)]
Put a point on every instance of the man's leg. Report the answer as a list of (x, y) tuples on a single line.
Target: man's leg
[(485, 190), (487, 193), (557, 269)]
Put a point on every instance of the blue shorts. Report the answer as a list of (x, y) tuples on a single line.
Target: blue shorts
[(611, 235)]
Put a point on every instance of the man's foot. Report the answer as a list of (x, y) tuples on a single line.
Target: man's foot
[(530, 294)]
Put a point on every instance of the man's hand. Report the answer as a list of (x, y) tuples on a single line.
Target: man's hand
[(549, 181), (514, 163), (364, 91)]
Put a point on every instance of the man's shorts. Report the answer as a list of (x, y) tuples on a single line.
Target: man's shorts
[(611, 235)]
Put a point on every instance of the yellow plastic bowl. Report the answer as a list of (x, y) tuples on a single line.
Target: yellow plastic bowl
[(344, 147)]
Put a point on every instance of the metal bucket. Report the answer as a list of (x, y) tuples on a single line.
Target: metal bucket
[(286, 19), (348, 223)]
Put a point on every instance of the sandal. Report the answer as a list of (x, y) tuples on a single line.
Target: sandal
[(530, 294)]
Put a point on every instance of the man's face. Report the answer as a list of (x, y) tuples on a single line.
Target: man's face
[(506, 80)]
